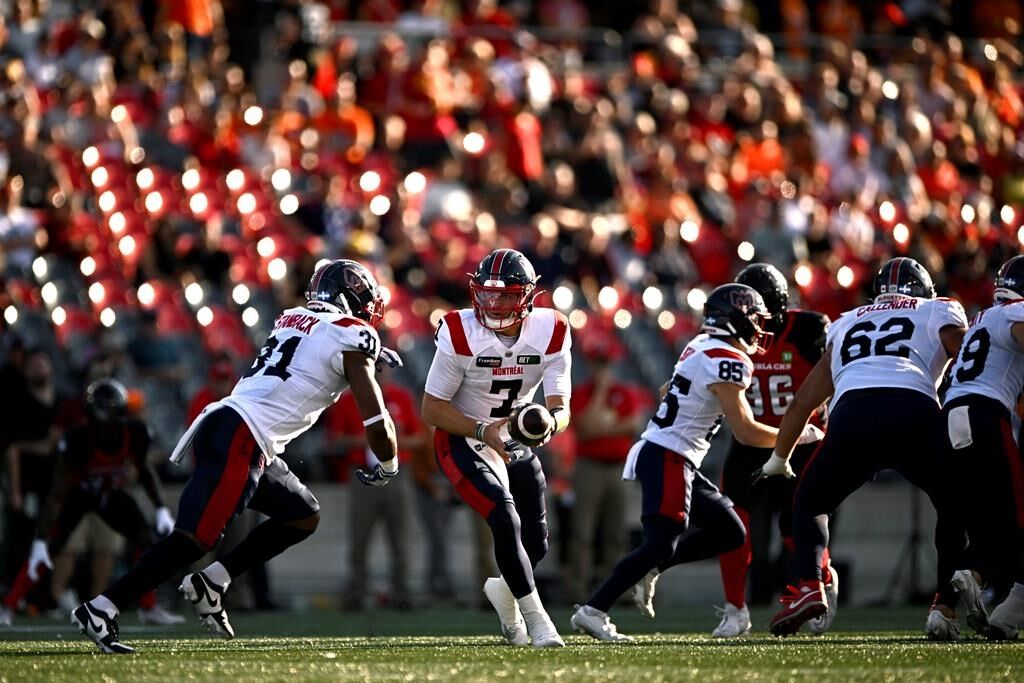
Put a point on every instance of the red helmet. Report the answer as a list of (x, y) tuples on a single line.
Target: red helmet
[(502, 289)]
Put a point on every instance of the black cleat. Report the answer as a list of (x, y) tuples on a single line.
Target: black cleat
[(102, 629)]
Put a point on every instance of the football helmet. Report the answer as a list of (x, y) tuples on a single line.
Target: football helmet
[(106, 400), (350, 288), (771, 284), (1010, 280), (737, 311), (903, 276), (502, 289)]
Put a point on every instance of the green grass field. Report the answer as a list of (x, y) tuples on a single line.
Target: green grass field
[(866, 645)]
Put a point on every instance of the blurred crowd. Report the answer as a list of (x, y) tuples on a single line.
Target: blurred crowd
[(171, 172)]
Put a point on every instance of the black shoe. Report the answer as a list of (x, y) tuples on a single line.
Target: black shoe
[(102, 629)]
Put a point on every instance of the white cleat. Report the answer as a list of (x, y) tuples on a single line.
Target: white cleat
[(735, 621), (208, 600), (595, 623), (643, 593), (1005, 618), (970, 593), (101, 628), (6, 616), (551, 639), (158, 616), (819, 625), (940, 627), (512, 625)]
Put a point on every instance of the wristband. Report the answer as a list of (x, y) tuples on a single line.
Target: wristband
[(561, 417), (480, 427), (375, 419)]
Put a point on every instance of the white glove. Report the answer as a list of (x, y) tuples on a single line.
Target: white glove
[(390, 358), (775, 466), (164, 521), (40, 556), (810, 434)]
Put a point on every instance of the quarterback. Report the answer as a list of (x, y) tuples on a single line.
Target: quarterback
[(490, 360)]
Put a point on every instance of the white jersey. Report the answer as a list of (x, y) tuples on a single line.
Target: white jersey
[(298, 373), (484, 379), (690, 414), (892, 344), (990, 362)]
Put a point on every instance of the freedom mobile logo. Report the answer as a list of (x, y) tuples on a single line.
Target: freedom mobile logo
[(488, 362)]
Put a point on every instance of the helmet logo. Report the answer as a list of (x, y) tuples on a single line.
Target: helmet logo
[(742, 299), (355, 281), (494, 283)]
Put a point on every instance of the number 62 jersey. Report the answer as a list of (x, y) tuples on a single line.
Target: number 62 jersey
[(892, 344), (690, 415), (298, 373)]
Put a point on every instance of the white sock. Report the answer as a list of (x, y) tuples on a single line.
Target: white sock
[(103, 604), (530, 604), (217, 573), (508, 610)]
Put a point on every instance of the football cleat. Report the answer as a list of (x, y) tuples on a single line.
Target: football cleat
[(6, 616), (512, 625), (970, 593), (208, 600), (735, 621), (1007, 615), (819, 625), (158, 616), (940, 627), (802, 603), (99, 626), (643, 593), (549, 639), (595, 623)]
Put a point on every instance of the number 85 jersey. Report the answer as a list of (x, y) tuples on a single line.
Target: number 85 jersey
[(894, 344), (690, 415)]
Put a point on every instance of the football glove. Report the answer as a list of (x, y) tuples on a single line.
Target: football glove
[(810, 435), (40, 556), (164, 521), (389, 357), (774, 467), (378, 477)]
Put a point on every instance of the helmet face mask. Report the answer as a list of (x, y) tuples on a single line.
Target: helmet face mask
[(502, 289), (348, 287), (1009, 281), (737, 311), (106, 401)]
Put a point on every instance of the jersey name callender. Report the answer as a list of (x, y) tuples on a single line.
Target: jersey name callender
[(298, 373), (990, 362), (892, 344), (484, 379), (690, 414), (780, 371)]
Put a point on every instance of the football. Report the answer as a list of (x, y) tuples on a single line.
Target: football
[(530, 424)]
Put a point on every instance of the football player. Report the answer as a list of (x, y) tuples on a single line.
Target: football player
[(684, 516), (489, 360), (798, 342), (312, 355), (881, 366), (97, 462), (979, 413)]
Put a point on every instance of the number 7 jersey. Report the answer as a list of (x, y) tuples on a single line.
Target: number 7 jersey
[(298, 373), (893, 344)]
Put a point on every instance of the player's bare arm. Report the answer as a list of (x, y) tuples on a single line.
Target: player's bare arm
[(441, 414), (380, 430), (740, 417), (815, 390), (558, 406), (952, 336)]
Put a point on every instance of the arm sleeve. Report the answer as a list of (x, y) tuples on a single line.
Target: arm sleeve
[(952, 314), (729, 369), (446, 371), (558, 370), (358, 337)]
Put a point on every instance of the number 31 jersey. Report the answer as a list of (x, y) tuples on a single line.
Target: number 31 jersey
[(690, 415), (298, 373), (990, 362), (893, 344)]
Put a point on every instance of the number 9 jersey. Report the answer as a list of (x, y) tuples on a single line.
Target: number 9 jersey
[(990, 362), (690, 415), (893, 343), (298, 373)]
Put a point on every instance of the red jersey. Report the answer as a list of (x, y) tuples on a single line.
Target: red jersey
[(102, 458), (784, 367), (625, 401), (344, 418)]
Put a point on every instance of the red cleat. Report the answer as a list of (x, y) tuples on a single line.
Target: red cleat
[(802, 603)]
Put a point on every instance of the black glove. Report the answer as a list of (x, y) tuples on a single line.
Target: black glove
[(378, 477)]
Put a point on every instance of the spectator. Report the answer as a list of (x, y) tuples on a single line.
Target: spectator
[(435, 501)]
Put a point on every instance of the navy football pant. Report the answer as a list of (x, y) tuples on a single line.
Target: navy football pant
[(992, 477), (872, 430), (685, 518), (516, 515)]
